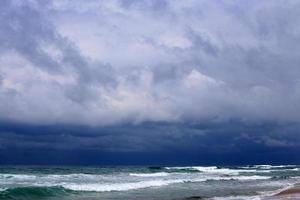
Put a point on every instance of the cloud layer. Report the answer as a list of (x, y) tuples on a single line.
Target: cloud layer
[(110, 62)]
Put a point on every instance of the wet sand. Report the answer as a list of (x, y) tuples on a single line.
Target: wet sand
[(293, 190)]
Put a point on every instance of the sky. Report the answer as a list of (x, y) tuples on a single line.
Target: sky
[(155, 82)]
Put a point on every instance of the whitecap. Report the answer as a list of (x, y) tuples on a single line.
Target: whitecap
[(256, 197), (105, 187), (159, 174), (119, 186), (212, 170), (240, 178), (17, 176)]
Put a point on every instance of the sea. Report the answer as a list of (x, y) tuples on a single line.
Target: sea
[(147, 182)]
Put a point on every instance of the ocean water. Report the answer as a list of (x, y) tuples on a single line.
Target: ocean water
[(149, 183)]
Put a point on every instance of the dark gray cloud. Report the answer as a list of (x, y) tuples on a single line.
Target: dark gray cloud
[(153, 137), (150, 143)]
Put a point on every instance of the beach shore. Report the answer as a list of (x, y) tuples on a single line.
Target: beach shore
[(293, 190)]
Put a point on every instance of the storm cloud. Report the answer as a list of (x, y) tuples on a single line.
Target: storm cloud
[(118, 65), (99, 63)]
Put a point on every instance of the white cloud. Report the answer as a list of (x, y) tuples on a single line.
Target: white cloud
[(101, 62)]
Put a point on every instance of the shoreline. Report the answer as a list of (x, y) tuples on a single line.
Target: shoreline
[(295, 189)]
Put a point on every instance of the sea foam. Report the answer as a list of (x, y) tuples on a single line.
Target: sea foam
[(159, 174), (119, 186), (212, 170), (104, 187)]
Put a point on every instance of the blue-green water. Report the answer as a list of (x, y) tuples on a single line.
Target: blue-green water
[(155, 183)]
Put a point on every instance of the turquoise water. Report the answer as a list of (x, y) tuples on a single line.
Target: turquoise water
[(155, 183)]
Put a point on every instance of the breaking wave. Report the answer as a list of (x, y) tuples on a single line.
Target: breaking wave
[(153, 183), (63, 188), (158, 174), (210, 170)]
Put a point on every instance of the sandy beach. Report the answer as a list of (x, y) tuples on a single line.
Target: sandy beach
[(293, 190)]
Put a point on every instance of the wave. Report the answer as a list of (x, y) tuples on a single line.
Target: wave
[(233, 171), (33, 192), (192, 169), (17, 176), (95, 187), (49, 176), (270, 167), (158, 174), (244, 197), (233, 178), (63, 188), (211, 170)]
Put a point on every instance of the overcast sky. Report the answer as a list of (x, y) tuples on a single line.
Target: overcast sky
[(149, 76)]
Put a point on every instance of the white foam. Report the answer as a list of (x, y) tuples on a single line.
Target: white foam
[(226, 171), (240, 178), (74, 176), (119, 186), (198, 168), (268, 166), (256, 197), (17, 176), (213, 170), (204, 169), (52, 177), (105, 187), (159, 174), (263, 166), (252, 177), (282, 166), (125, 181)]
